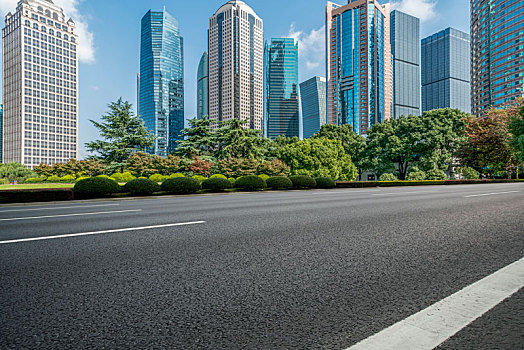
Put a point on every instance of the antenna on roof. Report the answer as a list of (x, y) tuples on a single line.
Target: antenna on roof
[(164, 7)]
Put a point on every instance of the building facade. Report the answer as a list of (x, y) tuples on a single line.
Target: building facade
[(405, 50), (203, 86), (314, 110), (1, 121), (161, 83), (359, 72), (40, 85), (497, 53), (236, 65), (281, 88), (446, 71)]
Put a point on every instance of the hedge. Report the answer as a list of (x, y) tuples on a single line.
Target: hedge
[(36, 195), (279, 183), (250, 183), (217, 184), (95, 187), (141, 187), (325, 182), (158, 178), (181, 185), (363, 184), (200, 178), (302, 181)]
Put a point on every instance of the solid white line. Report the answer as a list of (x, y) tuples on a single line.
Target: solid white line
[(100, 232), (66, 215), (57, 208), (489, 194), (437, 323)]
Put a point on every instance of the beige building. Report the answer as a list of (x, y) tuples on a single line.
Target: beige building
[(236, 65), (40, 85)]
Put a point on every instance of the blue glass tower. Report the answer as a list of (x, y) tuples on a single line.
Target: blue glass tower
[(161, 89), (446, 71), (314, 112), (1, 134), (203, 87), (281, 90)]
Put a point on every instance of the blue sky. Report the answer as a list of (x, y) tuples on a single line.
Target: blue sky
[(110, 30)]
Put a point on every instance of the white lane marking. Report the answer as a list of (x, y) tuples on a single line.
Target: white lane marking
[(66, 215), (397, 193), (490, 194), (57, 208), (100, 232), (437, 323)]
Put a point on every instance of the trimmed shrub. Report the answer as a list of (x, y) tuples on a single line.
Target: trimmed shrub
[(388, 177), (436, 174), (142, 187), (416, 176), (200, 178), (143, 177), (325, 182), (279, 182), (232, 180), (68, 179), (302, 181), (96, 186), (181, 185), (104, 177), (250, 183), (81, 178), (158, 178), (34, 180), (53, 179), (220, 176), (217, 184), (264, 177), (468, 173), (123, 177), (176, 175)]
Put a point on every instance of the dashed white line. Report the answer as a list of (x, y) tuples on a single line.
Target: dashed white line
[(66, 215), (59, 208), (100, 232), (490, 194), (432, 326), (398, 193)]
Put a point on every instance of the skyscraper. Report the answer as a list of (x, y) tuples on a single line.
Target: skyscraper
[(203, 86), (282, 114), (161, 95), (40, 85), (314, 112), (446, 71), (236, 65), (359, 69), (1, 121), (497, 52), (405, 49)]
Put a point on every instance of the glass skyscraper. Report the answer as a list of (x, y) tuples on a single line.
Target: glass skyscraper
[(497, 53), (282, 113), (203, 87), (161, 95), (314, 112), (446, 71), (359, 71), (1, 121), (405, 49)]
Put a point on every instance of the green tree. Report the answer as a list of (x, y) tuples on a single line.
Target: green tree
[(141, 164), (15, 171), (197, 140), (123, 133), (234, 140), (516, 128)]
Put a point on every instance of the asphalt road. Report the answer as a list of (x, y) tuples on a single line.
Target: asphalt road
[(276, 270)]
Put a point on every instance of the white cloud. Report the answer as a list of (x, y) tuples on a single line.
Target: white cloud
[(86, 51), (311, 47), (423, 9)]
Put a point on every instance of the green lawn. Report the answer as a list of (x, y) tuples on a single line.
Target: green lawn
[(33, 186)]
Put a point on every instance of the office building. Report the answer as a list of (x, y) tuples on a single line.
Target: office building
[(40, 85), (446, 71), (1, 121), (359, 72), (281, 89), (203, 87), (405, 51), (314, 111), (161, 84), (236, 65), (497, 53)]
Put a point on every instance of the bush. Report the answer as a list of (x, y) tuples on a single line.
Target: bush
[(232, 180), (250, 183), (34, 180), (67, 179), (81, 178), (181, 185), (216, 184), (325, 182), (176, 175), (264, 177), (123, 177), (96, 186), (279, 182), (218, 176), (436, 174), (468, 173), (200, 178), (388, 177), (142, 187), (158, 178), (302, 181), (105, 177), (4, 181), (53, 179), (416, 176)]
